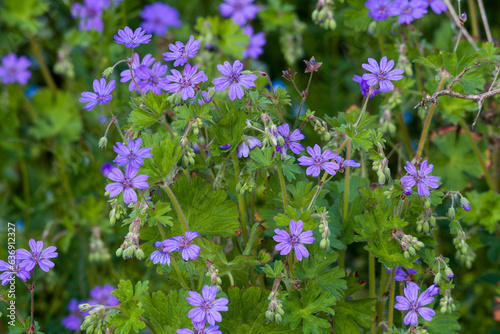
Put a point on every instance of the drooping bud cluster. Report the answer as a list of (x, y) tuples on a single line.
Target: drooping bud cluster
[(325, 231), (446, 303), (188, 157), (117, 213), (386, 125), (246, 186), (213, 274), (322, 129), (275, 310), (98, 252), (426, 222), (465, 255), (96, 321), (409, 244), (174, 98), (323, 15), (382, 169), (196, 124), (130, 247)]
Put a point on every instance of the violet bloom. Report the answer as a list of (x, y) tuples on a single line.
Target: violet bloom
[(180, 52), (255, 43), (343, 163), (408, 10), (126, 183), (363, 86), (414, 304), (239, 10), (225, 146), (16, 270), (15, 69), (203, 330), (433, 290), (295, 239), (38, 255), (74, 320), (318, 161), (381, 74), (233, 79), (186, 82), (158, 17), (131, 154), (106, 168), (401, 275), (207, 307), (247, 144), (184, 244), (160, 256), (204, 98), (102, 296), (420, 178), (147, 61), (291, 139), (152, 79), (437, 6), (101, 95), (132, 39), (379, 9), (90, 15)]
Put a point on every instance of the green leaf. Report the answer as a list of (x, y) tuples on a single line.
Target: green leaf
[(277, 15), (484, 210), (443, 324), (358, 18), (167, 313), (246, 314), (165, 157), (125, 291), (289, 168), (140, 118), (158, 214), (303, 306), (432, 61), (351, 314), (207, 211), (129, 321), (278, 269)]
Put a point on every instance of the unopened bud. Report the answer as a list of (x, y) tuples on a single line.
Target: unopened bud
[(139, 254), (407, 255), (246, 72), (107, 72), (437, 278), (427, 204), (322, 244), (449, 273), (103, 142), (451, 212), (270, 315), (412, 251), (443, 309), (465, 204), (119, 252), (278, 318)]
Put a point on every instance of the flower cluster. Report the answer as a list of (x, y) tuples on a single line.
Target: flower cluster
[(183, 244), (405, 10), (15, 69)]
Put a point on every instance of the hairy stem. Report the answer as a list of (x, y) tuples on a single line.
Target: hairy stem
[(43, 66), (241, 203), (371, 281), (303, 99), (485, 20), (283, 188), (183, 281), (473, 18), (391, 298), (177, 207)]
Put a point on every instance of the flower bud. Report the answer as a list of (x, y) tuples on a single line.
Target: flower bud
[(278, 318), (270, 315), (381, 178), (419, 245), (451, 212), (280, 310), (406, 254), (427, 204), (443, 309), (322, 244), (103, 142), (433, 221), (449, 273), (465, 204), (107, 72), (407, 191), (419, 228), (412, 251), (437, 278), (119, 252), (139, 254)]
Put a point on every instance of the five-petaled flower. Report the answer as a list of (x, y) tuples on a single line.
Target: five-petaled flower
[(101, 95), (233, 79), (180, 52), (161, 255), (132, 39), (414, 303), (239, 10), (126, 183), (184, 244), (401, 275), (408, 10), (131, 154), (318, 161), (255, 43), (312, 65), (207, 307), (343, 163), (437, 6), (290, 139), (186, 82), (152, 79), (420, 178), (247, 144), (382, 74), (203, 330), (15, 69), (38, 255), (295, 239), (135, 63), (9, 271), (379, 9), (363, 86)]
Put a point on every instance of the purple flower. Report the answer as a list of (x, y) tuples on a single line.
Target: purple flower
[(433, 290), (9, 272), (102, 296), (295, 239), (437, 6), (15, 69), (381, 74), (126, 183), (378, 9), (343, 163), (365, 89), (401, 275), (408, 10), (106, 168), (131, 154), (147, 61), (318, 161), (420, 178), (38, 255), (255, 43), (158, 17), (204, 330), (239, 10), (90, 15), (248, 144), (204, 99), (291, 139), (184, 244), (132, 39), (152, 79), (180, 52), (233, 79), (414, 304), (207, 307), (465, 203), (160, 256), (225, 147), (101, 95), (186, 82), (74, 320)]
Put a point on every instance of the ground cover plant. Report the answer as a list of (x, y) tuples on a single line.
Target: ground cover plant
[(242, 166)]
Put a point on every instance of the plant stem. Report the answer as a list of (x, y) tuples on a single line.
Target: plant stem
[(275, 98), (148, 324), (384, 279), (346, 199), (177, 207), (473, 19), (290, 261), (485, 20), (183, 281), (478, 156), (303, 100), (165, 125), (45, 70), (406, 136), (391, 298), (427, 124), (283, 188), (32, 290), (257, 230), (240, 200), (371, 269), (217, 107)]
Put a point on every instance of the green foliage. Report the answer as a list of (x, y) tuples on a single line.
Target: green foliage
[(165, 157), (159, 214), (443, 324), (350, 314), (166, 313), (231, 39), (484, 209), (127, 321)]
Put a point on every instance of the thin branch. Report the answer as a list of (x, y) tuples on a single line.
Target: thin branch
[(457, 22), (485, 20), (497, 70)]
